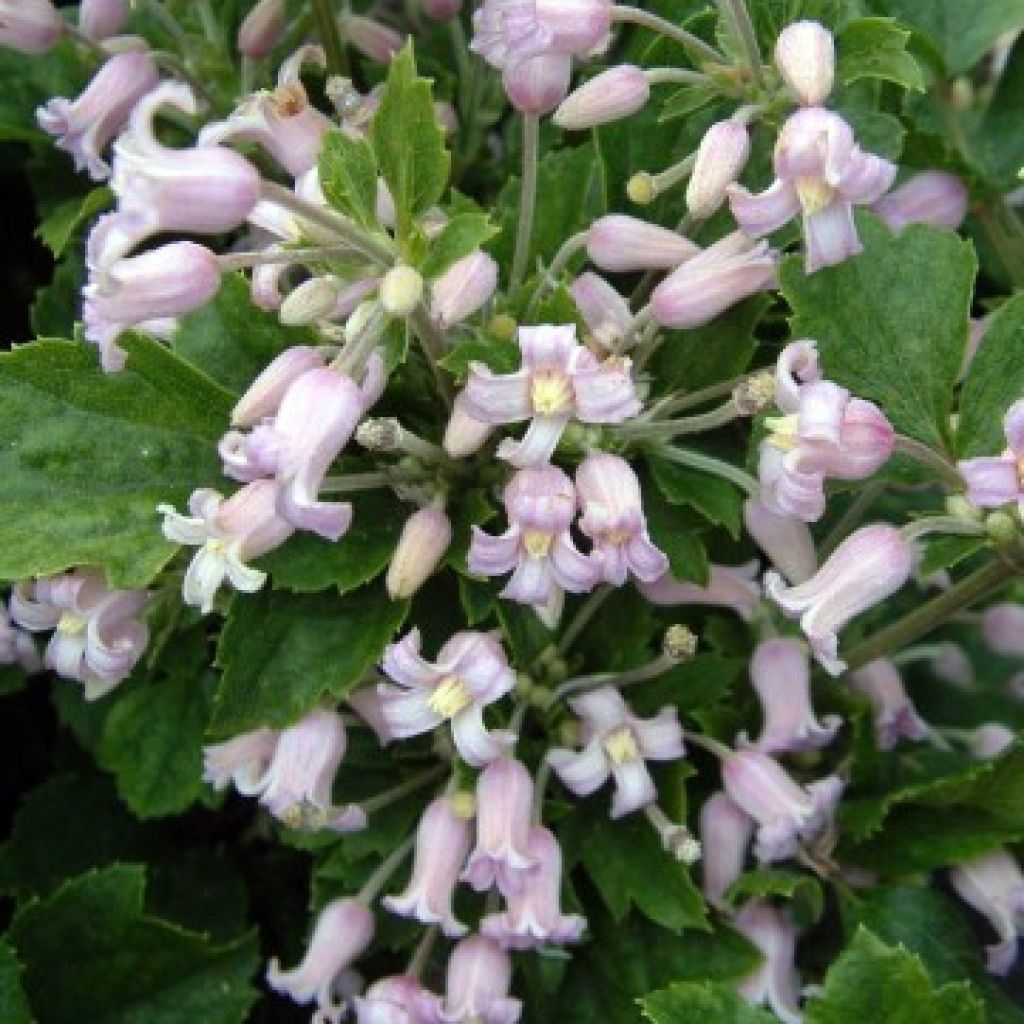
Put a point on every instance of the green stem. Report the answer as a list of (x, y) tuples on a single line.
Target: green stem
[(708, 464), (736, 16), (708, 743), (922, 620), (326, 26), (421, 954), (664, 429), (269, 257), (371, 889), (928, 457), (942, 524), (1004, 231), (645, 19), (641, 674), (353, 482), (432, 342), (527, 198), (211, 27), (586, 612), (570, 247), (390, 796)]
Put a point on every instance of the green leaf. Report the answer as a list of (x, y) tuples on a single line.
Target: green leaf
[(995, 144), (87, 458), (462, 234), (497, 355), (677, 531), (945, 552), (877, 48), (875, 982), (701, 682), (232, 340), (409, 142), (281, 653), (686, 100), (59, 228), (348, 177), (994, 382), (13, 1004), (892, 323), (717, 500), (309, 563), (56, 305), (92, 953), (701, 1003), (789, 885)]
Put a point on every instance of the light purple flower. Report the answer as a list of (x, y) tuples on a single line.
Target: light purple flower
[(821, 173), (990, 740), (537, 548), (869, 566), (370, 37), (623, 244), (931, 197), (98, 637), (613, 518), (228, 533), (784, 538), (806, 58), (538, 84), (16, 645), (241, 761), (1002, 626), (559, 380), (265, 393), (29, 26), (896, 717), (994, 886), (823, 433), (343, 931), (100, 19), (605, 312), (609, 96), (442, 844), (786, 813), (83, 127), (504, 800), (471, 672), (426, 537), (616, 744), (996, 480), (781, 676), (774, 982), (533, 917), (398, 999), (479, 976), (721, 156), (464, 435), (462, 289), (262, 29), (729, 586), (725, 834)]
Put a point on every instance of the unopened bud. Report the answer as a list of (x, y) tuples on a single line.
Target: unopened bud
[(642, 189), (463, 288), (30, 26), (262, 29), (755, 393), (679, 642), (100, 19), (503, 327), (401, 291), (960, 508), (366, 318), (377, 41), (569, 732), (524, 685), (1001, 527), (806, 59), (380, 435), (424, 541), (609, 96), (625, 244), (441, 10), (463, 804), (538, 84), (464, 435), (313, 300), (721, 156), (540, 697)]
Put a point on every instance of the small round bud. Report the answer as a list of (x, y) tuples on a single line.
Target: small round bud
[(755, 393), (503, 327), (313, 300), (683, 845), (524, 685), (642, 188), (463, 804), (380, 435), (679, 642), (569, 732), (1002, 527), (960, 508), (401, 291), (540, 697), (557, 670)]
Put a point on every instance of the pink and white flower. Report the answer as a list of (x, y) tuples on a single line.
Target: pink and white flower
[(994, 886), (479, 977), (931, 197), (605, 312), (997, 480), (805, 55), (16, 645), (774, 982), (622, 245), (729, 586), (398, 999), (241, 761), (1002, 626), (784, 538), (29, 26), (896, 717), (463, 289), (725, 834), (100, 19), (262, 29)]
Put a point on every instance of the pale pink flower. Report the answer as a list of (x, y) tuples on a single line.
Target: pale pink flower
[(990, 740), (538, 84), (729, 586), (343, 931), (623, 244), (725, 834), (83, 127), (370, 37), (930, 197), (806, 58), (774, 982), (425, 539), (398, 999), (896, 717), (994, 886), (1002, 626), (821, 174), (721, 156), (479, 977), (471, 672), (368, 704), (464, 435), (262, 29), (16, 645), (463, 289), (996, 480), (784, 538), (241, 761), (100, 19), (442, 844), (29, 26), (263, 396), (605, 312), (609, 96), (559, 380), (615, 745)]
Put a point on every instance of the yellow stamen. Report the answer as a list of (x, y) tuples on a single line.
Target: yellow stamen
[(537, 543), (449, 697), (71, 625), (782, 431), (620, 746), (814, 194), (463, 804), (550, 393)]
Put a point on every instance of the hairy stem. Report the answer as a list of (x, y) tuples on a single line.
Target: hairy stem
[(928, 457), (586, 612), (327, 29), (709, 464), (527, 198), (736, 16), (645, 19)]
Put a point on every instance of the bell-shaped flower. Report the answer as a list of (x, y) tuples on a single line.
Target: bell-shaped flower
[(781, 676), (774, 982), (728, 586), (16, 645), (784, 538), (397, 999), (616, 744), (996, 480), (896, 717), (479, 977), (264, 395), (605, 312), (533, 917), (931, 197), (241, 761), (537, 548), (442, 844), (228, 534), (613, 518), (98, 637), (343, 931), (538, 84), (559, 380), (805, 55), (821, 174), (869, 566), (504, 801), (823, 433), (471, 672), (29, 26), (83, 127), (994, 886), (725, 834), (1002, 626), (786, 813)]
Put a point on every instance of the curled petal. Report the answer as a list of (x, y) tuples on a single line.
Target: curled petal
[(583, 772), (634, 788), (760, 215), (497, 398), (831, 236), (475, 744), (538, 443)]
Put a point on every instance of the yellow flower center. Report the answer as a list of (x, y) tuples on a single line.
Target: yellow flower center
[(620, 745), (449, 697), (463, 804), (71, 625), (1020, 471), (814, 195), (537, 543), (550, 393), (782, 431)]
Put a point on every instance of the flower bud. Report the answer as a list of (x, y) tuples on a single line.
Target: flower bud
[(29, 26), (785, 539), (265, 393), (609, 96), (99, 19), (679, 642), (464, 435), (313, 300), (424, 541), (931, 197), (400, 291), (462, 289), (441, 10), (642, 189), (262, 29), (725, 834), (806, 59), (538, 84), (370, 37), (990, 740), (1002, 625), (624, 244), (721, 156)]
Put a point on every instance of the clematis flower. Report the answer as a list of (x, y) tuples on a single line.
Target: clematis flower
[(931, 197), (98, 637), (786, 813), (605, 312), (725, 834), (721, 156), (823, 433), (479, 977), (471, 672), (16, 645), (990, 740), (623, 244), (241, 761), (613, 518), (774, 982), (442, 843), (533, 917), (806, 58), (559, 380), (821, 174), (265, 393), (537, 85), (728, 586), (342, 933), (537, 548), (463, 289), (781, 676), (29, 26), (896, 717), (426, 537), (615, 745), (83, 127), (397, 999), (262, 29), (784, 538), (869, 566), (228, 533), (1002, 626), (609, 96), (994, 886), (996, 480)]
